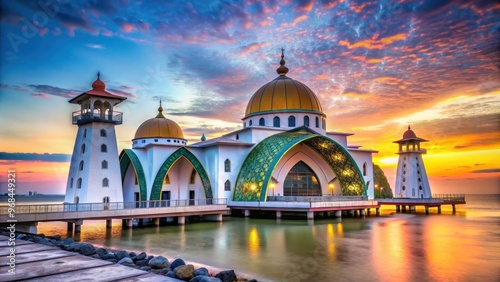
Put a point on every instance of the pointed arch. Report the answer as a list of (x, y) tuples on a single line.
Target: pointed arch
[(169, 162), (127, 156)]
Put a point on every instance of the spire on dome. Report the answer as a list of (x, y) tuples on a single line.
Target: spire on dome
[(98, 84), (282, 70), (160, 110), (409, 128)]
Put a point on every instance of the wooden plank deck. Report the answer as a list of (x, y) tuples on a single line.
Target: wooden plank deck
[(36, 262)]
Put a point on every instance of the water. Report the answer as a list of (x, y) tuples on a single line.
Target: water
[(464, 246)]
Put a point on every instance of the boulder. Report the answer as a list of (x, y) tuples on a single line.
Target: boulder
[(96, 256), (67, 241), (148, 259), (141, 262), (141, 256), (201, 272), (37, 239), (102, 252), (132, 254), (87, 249), (184, 272), (121, 254), (159, 262), (20, 236), (109, 256), (171, 274), (226, 275), (145, 268), (73, 247), (112, 260), (125, 261), (205, 279), (177, 262)]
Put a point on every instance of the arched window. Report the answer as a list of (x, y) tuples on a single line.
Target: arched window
[(105, 182), (79, 183), (105, 200), (262, 122), (237, 137), (84, 133), (403, 188), (192, 179), (81, 165), (166, 180), (227, 185), (83, 148), (76, 200), (227, 165), (250, 123), (364, 169), (306, 121), (291, 121), (71, 183), (301, 181), (103, 133), (317, 122), (104, 164), (104, 148), (276, 122)]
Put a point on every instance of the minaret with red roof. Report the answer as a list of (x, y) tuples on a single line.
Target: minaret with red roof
[(411, 177), (94, 174)]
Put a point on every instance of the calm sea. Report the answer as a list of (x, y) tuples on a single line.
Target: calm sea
[(464, 246)]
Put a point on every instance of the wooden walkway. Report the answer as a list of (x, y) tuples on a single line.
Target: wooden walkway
[(37, 262)]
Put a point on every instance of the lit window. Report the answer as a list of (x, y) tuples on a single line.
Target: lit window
[(276, 122), (104, 148), (227, 165), (79, 183), (105, 182), (104, 164), (306, 121), (81, 165), (291, 121), (193, 176), (103, 133), (262, 122), (227, 185)]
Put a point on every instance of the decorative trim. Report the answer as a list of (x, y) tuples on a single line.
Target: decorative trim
[(128, 156)]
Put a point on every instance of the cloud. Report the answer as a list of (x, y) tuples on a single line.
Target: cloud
[(45, 91), (94, 46), (46, 157), (492, 170)]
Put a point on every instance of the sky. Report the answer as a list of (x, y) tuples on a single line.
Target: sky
[(376, 66)]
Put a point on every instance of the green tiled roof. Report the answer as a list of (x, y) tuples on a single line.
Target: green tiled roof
[(257, 169), (128, 156)]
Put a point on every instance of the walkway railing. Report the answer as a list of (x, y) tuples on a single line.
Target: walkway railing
[(331, 198), (450, 197), (24, 209)]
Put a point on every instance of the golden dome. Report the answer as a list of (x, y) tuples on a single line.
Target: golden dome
[(159, 127), (283, 94)]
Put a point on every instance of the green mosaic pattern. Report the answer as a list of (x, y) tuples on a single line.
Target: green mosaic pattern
[(257, 169), (165, 167), (128, 156)]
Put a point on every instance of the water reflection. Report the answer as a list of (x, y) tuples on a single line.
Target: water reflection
[(254, 243)]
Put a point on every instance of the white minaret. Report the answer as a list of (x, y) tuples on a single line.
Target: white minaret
[(411, 177), (94, 174)]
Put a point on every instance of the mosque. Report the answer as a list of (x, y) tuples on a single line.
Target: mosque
[(282, 150)]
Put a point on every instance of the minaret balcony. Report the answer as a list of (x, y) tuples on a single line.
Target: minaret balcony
[(421, 151), (81, 118)]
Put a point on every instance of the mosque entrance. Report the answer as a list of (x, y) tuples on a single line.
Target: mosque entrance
[(301, 181)]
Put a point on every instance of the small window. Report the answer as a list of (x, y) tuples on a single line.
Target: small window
[(250, 123), (364, 169), (105, 200), (404, 188), (306, 121), (104, 164), (276, 122), (262, 122), (103, 133), (166, 180), (104, 148), (418, 171), (81, 165), (193, 176), (419, 180), (85, 133), (76, 200), (317, 122), (418, 165), (105, 182), (79, 183), (83, 148), (71, 183), (291, 121), (143, 141), (237, 137), (227, 165), (404, 179), (227, 185), (156, 140), (420, 187), (404, 171)]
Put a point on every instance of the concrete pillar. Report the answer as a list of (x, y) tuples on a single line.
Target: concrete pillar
[(181, 220), (278, 214), (403, 208), (362, 212), (78, 228), (70, 226), (129, 222), (453, 207), (398, 208), (426, 209), (439, 209), (338, 213), (109, 223), (219, 217), (156, 221), (412, 208), (368, 211), (310, 215), (377, 211), (247, 213)]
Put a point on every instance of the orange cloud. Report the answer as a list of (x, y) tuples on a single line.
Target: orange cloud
[(248, 25), (252, 47), (306, 8), (299, 19), (374, 43), (128, 27), (388, 80)]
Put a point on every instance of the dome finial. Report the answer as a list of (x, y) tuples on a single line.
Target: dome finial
[(160, 110), (409, 127), (282, 70), (98, 75)]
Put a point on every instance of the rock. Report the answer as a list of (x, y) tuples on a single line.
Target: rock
[(148, 259), (226, 275), (68, 241), (56, 237), (252, 280), (132, 254), (109, 256), (165, 271), (87, 249), (41, 235), (112, 260), (121, 254), (141, 262), (158, 262), (177, 262), (171, 274), (125, 261), (102, 252), (20, 236), (37, 239), (185, 272), (96, 256), (205, 279), (201, 271), (73, 247), (145, 268), (155, 271), (141, 256)]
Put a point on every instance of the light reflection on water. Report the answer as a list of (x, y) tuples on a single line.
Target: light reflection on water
[(393, 247)]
